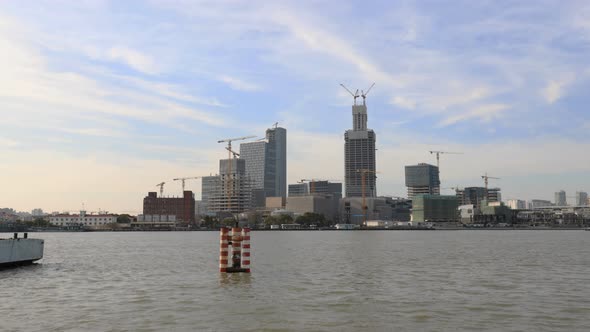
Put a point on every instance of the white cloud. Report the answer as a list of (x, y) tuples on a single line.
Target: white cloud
[(403, 102), (133, 58), (554, 90), (484, 113), (238, 84)]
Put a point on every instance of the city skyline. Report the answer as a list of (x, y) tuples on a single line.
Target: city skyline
[(100, 100)]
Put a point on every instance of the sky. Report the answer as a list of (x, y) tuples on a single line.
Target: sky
[(102, 100)]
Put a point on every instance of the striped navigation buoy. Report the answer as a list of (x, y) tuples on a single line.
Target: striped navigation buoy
[(246, 249), (234, 250), (223, 249)]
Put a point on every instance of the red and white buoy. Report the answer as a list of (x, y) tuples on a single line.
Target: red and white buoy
[(246, 249), (223, 249), (234, 250)]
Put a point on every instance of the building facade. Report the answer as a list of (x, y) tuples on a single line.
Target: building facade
[(516, 204), (230, 191), (181, 207), (83, 219), (422, 179), (539, 203), (581, 198), (435, 208), (316, 187), (560, 198), (266, 165), (359, 154), (474, 195)]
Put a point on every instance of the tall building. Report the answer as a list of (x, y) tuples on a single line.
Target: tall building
[(581, 198), (560, 198), (266, 165), (229, 191), (359, 154), (181, 207), (422, 179)]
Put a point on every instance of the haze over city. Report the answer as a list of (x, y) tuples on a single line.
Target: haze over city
[(100, 100)]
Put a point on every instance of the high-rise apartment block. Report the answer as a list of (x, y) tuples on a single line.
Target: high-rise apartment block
[(422, 179), (229, 191), (581, 198), (359, 155), (560, 198), (266, 165)]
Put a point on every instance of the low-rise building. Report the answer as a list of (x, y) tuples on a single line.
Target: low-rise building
[(318, 203), (434, 208), (93, 221)]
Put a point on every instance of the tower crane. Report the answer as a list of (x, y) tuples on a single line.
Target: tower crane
[(364, 94), (438, 153), (229, 151), (486, 178), (354, 95), (364, 173), (187, 178), (161, 185)]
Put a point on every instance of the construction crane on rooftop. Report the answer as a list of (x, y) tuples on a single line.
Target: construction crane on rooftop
[(485, 178), (354, 95), (364, 173), (161, 185), (438, 153), (364, 94), (187, 178), (229, 160)]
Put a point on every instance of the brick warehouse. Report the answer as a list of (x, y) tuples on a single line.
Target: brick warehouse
[(182, 207)]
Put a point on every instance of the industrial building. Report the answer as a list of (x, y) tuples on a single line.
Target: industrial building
[(316, 187), (229, 191), (474, 195), (183, 208), (266, 165), (422, 179), (359, 154), (435, 208)]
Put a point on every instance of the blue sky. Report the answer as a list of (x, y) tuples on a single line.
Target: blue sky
[(101, 100)]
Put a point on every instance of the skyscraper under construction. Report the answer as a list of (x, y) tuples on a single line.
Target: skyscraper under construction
[(359, 153)]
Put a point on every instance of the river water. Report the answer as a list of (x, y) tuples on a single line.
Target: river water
[(305, 280)]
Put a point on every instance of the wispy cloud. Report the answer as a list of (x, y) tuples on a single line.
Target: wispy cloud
[(134, 59), (238, 84), (484, 113), (555, 89)]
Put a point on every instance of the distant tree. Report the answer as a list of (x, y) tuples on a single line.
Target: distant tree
[(310, 218), (123, 219), (210, 222), (228, 222), (285, 219), (272, 220)]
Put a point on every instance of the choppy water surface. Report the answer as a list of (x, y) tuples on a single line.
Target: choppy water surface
[(317, 281)]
